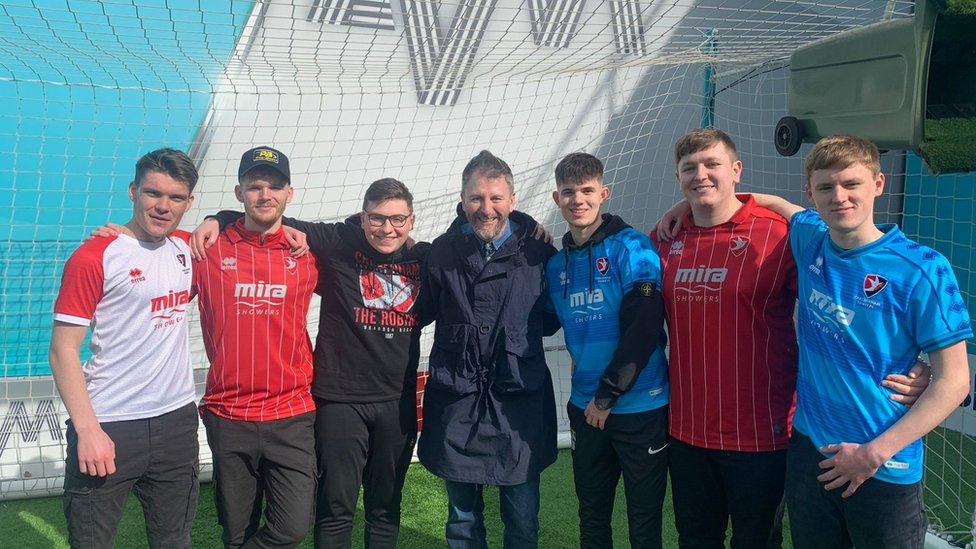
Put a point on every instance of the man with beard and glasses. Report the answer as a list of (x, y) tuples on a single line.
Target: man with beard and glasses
[(489, 406)]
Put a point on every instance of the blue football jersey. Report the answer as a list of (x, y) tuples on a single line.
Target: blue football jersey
[(863, 314), (587, 286)]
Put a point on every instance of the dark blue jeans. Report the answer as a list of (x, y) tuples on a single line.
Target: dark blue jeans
[(878, 515), (466, 515)]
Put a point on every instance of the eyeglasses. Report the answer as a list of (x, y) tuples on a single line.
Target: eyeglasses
[(378, 220)]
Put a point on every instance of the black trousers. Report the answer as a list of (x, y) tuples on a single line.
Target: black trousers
[(708, 487), (272, 461), (634, 445), (157, 458), (879, 515), (366, 444)]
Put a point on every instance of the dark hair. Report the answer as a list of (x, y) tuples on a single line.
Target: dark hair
[(701, 139), (577, 167), (171, 162), (387, 189), (489, 166)]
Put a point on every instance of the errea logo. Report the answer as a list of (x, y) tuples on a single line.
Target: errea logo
[(676, 247), (817, 266), (135, 275), (228, 264)]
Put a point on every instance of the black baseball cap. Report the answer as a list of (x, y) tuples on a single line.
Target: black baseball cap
[(264, 156)]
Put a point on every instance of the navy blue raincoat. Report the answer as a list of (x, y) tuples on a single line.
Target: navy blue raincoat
[(489, 407)]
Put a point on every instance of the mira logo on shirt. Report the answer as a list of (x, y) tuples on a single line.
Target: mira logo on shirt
[(260, 294), (702, 278), (825, 309), (593, 297), (168, 309), (587, 305)]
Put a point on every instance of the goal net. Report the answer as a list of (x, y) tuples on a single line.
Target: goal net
[(356, 90)]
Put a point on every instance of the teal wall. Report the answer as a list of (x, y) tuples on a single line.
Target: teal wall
[(86, 88), (940, 212)]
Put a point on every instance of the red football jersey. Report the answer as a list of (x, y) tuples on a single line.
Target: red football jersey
[(730, 292), (253, 298)]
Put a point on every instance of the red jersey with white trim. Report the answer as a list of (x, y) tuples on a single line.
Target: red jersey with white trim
[(134, 297), (730, 292), (253, 298)]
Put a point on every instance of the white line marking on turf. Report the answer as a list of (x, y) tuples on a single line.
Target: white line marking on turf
[(44, 528)]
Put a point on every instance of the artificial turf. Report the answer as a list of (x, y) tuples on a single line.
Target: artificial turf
[(40, 522), (949, 497), (950, 474)]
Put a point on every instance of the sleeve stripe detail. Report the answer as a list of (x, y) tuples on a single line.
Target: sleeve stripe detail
[(72, 319)]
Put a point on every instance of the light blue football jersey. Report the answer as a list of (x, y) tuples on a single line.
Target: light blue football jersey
[(863, 314), (587, 286)]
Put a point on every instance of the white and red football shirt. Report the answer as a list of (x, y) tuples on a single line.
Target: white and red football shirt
[(134, 296), (253, 298), (730, 292)]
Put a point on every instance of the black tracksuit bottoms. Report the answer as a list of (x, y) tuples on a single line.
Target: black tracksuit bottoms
[(367, 444), (632, 445)]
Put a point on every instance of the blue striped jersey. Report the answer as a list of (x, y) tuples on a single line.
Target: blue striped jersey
[(587, 285), (865, 313)]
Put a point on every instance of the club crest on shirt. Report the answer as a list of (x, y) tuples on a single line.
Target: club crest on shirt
[(737, 245), (603, 265), (182, 259), (874, 284)]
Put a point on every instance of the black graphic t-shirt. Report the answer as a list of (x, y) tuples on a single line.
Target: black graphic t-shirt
[(368, 343)]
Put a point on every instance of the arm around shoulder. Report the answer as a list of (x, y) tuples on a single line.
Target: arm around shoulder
[(779, 205)]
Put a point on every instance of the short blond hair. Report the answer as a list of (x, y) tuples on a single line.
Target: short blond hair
[(841, 152)]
